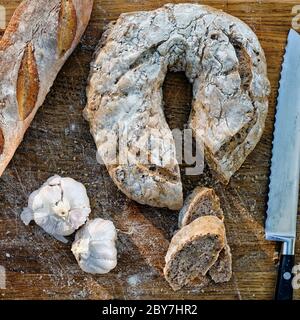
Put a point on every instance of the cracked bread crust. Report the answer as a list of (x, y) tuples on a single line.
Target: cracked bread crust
[(223, 59)]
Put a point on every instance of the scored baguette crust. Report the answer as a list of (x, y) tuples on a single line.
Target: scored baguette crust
[(67, 26), (38, 40), (28, 84), (223, 59), (8, 37)]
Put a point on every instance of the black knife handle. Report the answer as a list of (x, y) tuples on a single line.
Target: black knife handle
[(284, 288)]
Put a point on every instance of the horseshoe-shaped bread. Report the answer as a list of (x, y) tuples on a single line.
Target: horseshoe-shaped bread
[(40, 37), (224, 61)]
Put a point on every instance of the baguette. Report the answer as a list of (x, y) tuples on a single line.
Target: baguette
[(37, 42)]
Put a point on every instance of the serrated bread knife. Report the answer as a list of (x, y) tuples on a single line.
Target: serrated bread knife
[(285, 169)]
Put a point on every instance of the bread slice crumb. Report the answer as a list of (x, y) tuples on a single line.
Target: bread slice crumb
[(194, 250)]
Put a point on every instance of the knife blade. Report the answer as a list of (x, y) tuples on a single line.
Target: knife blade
[(285, 168)]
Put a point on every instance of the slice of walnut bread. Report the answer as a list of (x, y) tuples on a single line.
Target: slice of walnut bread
[(201, 202), (204, 202), (194, 250)]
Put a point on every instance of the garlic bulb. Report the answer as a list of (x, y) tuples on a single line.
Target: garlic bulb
[(95, 247), (60, 207)]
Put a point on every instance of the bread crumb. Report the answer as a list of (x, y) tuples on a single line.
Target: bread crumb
[(275, 257)]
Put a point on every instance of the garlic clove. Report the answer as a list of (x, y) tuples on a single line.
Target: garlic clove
[(78, 217), (93, 268), (46, 197), (41, 217), (62, 227), (53, 181), (49, 223), (75, 193), (103, 250), (103, 265), (31, 198), (107, 230)]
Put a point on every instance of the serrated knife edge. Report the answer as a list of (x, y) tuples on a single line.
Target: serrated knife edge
[(285, 168), (290, 234)]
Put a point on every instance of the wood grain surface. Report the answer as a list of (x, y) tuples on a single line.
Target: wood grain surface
[(59, 142)]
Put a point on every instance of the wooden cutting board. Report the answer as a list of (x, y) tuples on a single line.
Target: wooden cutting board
[(59, 142)]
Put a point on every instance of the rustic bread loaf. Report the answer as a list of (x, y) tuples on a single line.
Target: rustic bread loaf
[(223, 59), (38, 40), (204, 202), (194, 250)]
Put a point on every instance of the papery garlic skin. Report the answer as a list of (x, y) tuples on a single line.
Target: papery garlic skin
[(95, 247), (60, 207)]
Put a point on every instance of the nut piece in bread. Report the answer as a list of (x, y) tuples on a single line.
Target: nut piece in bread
[(194, 250), (224, 61)]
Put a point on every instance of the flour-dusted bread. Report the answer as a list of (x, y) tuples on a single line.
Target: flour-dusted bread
[(38, 40), (194, 250), (201, 202), (224, 61), (204, 202)]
